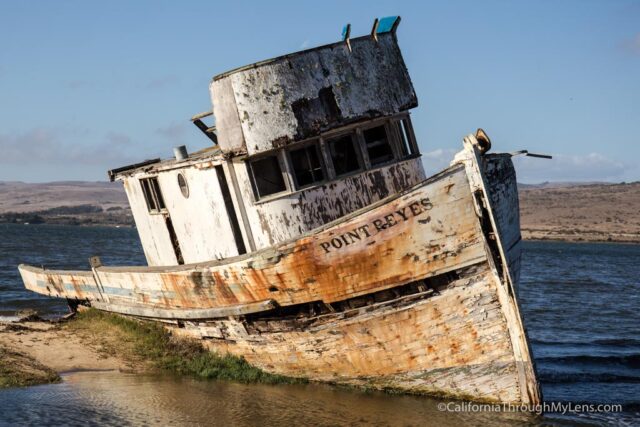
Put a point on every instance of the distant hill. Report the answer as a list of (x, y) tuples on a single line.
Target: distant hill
[(559, 211), (589, 212), (548, 184), (65, 202), (27, 197)]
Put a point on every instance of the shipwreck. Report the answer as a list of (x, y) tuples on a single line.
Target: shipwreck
[(308, 239)]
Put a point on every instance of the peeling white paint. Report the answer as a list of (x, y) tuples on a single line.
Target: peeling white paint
[(300, 95)]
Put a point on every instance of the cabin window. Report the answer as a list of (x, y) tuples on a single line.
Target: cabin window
[(152, 194), (343, 154), (266, 176), (306, 165), (377, 144), (184, 188), (407, 146)]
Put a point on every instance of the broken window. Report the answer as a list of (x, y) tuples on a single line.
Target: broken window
[(343, 154), (306, 165), (266, 176), (378, 146), (407, 146), (152, 194)]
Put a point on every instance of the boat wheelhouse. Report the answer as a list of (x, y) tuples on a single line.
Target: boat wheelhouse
[(300, 141)]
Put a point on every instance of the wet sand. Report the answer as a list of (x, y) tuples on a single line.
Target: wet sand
[(60, 349)]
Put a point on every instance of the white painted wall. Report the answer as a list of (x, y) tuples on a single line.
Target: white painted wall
[(200, 221), (151, 227)]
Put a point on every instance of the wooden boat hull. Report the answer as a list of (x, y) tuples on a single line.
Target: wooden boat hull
[(453, 342), (414, 293)]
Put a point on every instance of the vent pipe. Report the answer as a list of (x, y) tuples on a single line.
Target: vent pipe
[(180, 152)]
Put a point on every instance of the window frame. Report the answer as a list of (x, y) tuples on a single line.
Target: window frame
[(278, 154), (322, 145), (152, 192), (391, 136), (357, 145), (318, 146), (412, 145)]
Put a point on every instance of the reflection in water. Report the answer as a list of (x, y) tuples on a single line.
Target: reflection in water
[(111, 398)]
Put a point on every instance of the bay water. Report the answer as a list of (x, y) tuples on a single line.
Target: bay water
[(580, 303)]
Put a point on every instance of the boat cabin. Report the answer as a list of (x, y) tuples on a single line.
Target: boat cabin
[(299, 141)]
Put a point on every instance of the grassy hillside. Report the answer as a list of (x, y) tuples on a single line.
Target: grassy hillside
[(594, 212), (68, 202)]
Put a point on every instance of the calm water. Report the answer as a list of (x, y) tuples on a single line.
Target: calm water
[(581, 305)]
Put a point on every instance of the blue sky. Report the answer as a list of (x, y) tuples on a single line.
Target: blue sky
[(86, 86)]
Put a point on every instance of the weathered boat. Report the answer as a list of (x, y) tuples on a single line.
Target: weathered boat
[(308, 239)]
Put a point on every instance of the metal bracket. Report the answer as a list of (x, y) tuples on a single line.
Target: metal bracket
[(96, 263), (209, 131)]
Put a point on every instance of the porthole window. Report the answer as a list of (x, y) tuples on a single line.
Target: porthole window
[(182, 183)]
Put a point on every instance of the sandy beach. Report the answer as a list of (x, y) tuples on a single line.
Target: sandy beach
[(37, 351), (60, 348)]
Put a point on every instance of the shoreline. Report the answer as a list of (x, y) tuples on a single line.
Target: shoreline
[(72, 224), (36, 351), (578, 241), (51, 346), (552, 235)]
